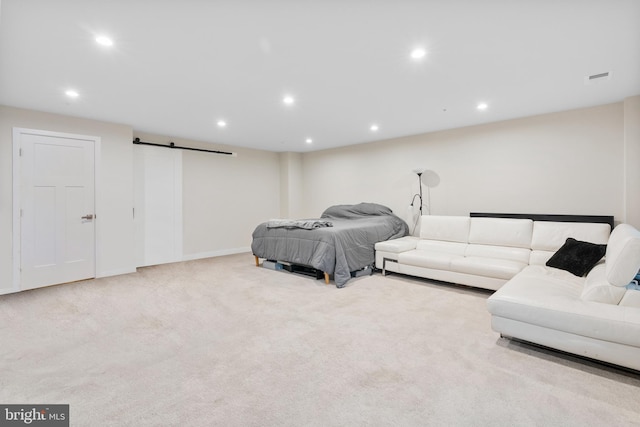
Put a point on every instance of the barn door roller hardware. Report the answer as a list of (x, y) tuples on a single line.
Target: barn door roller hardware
[(172, 145)]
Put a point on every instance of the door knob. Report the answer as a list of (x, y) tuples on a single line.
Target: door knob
[(88, 216)]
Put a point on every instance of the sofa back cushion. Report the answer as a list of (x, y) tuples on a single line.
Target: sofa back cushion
[(540, 257), (501, 232), (549, 236), (446, 228), (622, 259)]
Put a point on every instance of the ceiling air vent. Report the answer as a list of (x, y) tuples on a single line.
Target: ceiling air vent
[(597, 78)]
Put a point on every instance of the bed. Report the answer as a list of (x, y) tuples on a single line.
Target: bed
[(338, 243)]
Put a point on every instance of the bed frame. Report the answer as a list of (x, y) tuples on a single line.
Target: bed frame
[(326, 275)]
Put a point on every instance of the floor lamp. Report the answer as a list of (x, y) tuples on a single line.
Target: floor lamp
[(419, 172)]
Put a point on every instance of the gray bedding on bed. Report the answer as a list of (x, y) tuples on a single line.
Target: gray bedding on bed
[(345, 247)]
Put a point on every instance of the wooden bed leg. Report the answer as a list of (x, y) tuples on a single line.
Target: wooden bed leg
[(326, 278), (257, 261)]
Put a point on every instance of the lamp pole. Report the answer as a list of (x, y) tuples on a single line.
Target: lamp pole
[(420, 185)]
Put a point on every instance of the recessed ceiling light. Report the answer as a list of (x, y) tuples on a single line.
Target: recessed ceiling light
[(418, 53), (104, 41), (482, 106), (221, 123), (374, 128), (308, 140), (72, 93), (288, 100)]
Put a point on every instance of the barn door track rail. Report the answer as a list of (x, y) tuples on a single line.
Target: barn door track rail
[(172, 145)]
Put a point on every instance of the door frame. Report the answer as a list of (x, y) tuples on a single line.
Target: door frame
[(17, 169)]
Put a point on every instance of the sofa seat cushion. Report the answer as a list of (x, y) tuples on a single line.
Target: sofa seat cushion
[(453, 248), (487, 267), (427, 259), (631, 298), (550, 298), (521, 255)]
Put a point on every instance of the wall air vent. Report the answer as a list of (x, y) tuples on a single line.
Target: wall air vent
[(597, 78)]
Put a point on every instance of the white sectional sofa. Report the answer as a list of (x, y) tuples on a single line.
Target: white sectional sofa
[(480, 252), (595, 316)]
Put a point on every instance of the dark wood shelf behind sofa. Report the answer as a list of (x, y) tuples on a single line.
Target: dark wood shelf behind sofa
[(600, 219)]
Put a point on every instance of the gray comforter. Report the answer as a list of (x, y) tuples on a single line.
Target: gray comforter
[(346, 246)]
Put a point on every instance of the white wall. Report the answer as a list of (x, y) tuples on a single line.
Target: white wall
[(114, 198), (291, 185), (569, 162), (632, 158)]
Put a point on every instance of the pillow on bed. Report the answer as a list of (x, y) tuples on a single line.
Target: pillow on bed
[(577, 257), (353, 211)]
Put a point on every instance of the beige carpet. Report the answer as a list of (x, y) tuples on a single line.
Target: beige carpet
[(222, 342)]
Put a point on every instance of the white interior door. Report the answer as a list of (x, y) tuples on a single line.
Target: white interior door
[(158, 205), (57, 229)]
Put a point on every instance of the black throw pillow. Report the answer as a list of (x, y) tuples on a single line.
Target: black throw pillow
[(577, 257)]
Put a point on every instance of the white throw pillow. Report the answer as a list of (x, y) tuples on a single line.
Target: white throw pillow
[(623, 255), (598, 289)]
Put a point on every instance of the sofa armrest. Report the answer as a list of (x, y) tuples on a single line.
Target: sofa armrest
[(396, 246)]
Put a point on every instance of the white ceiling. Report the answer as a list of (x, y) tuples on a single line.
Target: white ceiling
[(176, 67)]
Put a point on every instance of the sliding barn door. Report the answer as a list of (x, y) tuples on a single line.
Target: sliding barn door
[(158, 205)]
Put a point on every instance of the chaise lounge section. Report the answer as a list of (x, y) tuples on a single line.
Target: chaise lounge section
[(575, 306), (596, 316)]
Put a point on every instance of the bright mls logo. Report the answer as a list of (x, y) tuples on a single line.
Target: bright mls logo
[(34, 415)]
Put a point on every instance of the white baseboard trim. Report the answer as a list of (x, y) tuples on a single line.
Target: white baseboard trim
[(4, 291), (115, 272), (212, 254)]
